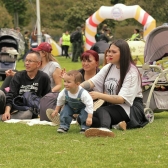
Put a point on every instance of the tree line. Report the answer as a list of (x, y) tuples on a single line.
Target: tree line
[(58, 16)]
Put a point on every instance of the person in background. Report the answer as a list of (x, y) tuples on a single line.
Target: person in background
[(101, 46), (66, 43), (60, 44), (84, 38), (77, 45), (29, 80), (135, 36), (120, 88), (104, 28), (141, 33), (33, 38), (75, 100)]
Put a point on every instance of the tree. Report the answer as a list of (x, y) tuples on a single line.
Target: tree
[(17, 9), (6, 19), (80, 11), (155, 8), (113, 2)]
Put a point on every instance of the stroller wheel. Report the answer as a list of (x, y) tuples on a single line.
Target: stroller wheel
[(149, 114)]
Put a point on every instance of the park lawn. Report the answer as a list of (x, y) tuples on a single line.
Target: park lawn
[(41, 146)]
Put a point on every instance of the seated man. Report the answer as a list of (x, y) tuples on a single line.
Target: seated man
[(27, 80)]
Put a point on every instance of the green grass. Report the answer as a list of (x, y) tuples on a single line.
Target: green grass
[(42, 147)]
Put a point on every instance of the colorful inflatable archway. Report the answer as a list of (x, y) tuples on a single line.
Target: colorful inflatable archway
[(117, 12)]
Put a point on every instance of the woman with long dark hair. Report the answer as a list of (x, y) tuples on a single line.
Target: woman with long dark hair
[(119, 84)]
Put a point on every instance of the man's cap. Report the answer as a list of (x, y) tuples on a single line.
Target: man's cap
[(44, 46)]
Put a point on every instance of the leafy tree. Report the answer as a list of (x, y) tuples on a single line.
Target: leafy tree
[(6, 19), (80, 11), (113, 2), (158, 9), (16, 8)]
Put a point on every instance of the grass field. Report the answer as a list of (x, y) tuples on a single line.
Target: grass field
[(42, 147)]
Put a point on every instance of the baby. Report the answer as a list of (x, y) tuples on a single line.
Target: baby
[(73, 99)]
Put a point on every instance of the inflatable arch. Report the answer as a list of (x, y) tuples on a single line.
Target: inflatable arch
[(117, 12)]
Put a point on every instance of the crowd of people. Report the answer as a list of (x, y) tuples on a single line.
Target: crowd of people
[(117, 84)]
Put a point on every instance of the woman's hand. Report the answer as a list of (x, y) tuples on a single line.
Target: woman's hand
[(63, 73), (95, 95), (9, 72)]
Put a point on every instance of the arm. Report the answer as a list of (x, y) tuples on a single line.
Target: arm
[(114, 99), (9, 72), (14, 90), (89, 119), (57, 79), (6, 115), (56, 111), (87, 85)]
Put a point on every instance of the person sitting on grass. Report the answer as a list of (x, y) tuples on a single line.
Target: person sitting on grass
[(119, 84), (29, 80), (76, 100)]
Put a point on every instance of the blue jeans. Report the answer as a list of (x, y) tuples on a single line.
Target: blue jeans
[(66, 117)]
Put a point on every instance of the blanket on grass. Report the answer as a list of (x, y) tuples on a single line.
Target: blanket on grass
[(32, 122)]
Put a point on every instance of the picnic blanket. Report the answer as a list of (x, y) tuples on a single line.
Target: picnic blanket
[(32, 122)]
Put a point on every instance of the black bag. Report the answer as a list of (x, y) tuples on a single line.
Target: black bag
[(73, 37), (46, 102), (27, 101)]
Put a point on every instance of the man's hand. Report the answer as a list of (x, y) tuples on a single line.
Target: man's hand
[(6, 116)]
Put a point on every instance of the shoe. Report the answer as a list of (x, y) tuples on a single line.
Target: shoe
[(82, 131), (56, 119), (100, 132), (121, 126), (62, 130)]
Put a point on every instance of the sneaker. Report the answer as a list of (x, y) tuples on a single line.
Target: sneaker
[(56, 119), (100, 132), (121, 126), (82, 131), (62, 130)]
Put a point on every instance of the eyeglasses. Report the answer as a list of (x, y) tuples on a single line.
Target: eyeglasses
[(30, 61)]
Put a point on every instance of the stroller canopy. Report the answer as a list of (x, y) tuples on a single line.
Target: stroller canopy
[(11, 38), (156, 45), (8, 41)]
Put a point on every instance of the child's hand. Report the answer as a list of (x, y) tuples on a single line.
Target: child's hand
[(89, 121), (55, 113)]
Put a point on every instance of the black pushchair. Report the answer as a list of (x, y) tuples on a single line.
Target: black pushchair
[(11, 45)]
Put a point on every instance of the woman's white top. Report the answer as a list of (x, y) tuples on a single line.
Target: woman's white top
[(130, 89)]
